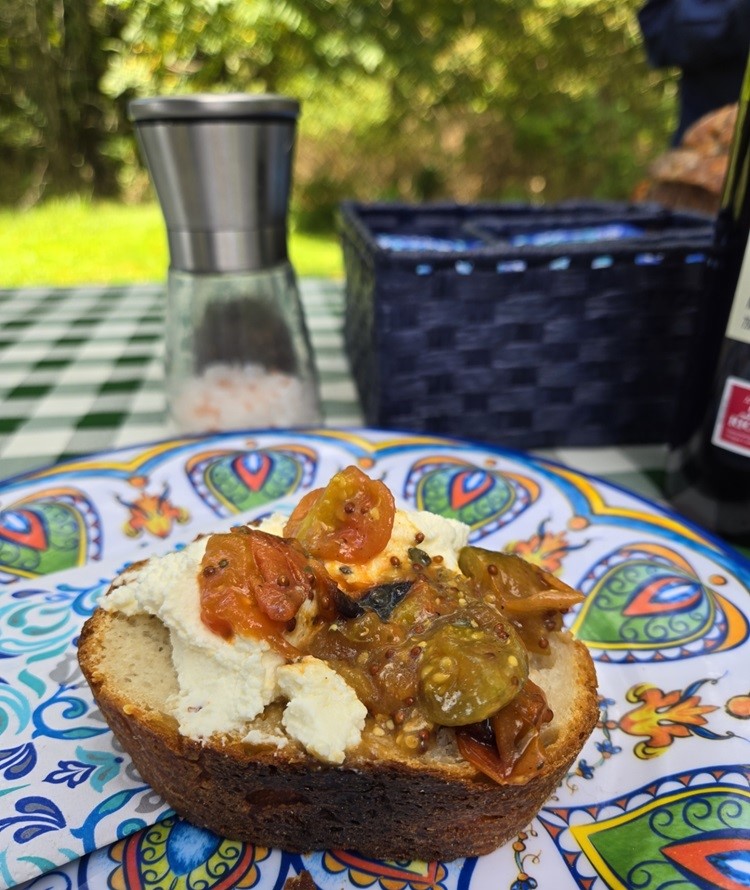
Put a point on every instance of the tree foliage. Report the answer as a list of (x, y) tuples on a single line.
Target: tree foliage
[(55, 123), (485, 99)]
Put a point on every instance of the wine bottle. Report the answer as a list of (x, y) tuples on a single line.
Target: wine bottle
[(708, 464)]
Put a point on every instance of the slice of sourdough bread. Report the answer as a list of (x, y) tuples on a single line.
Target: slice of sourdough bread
[(383, 802)]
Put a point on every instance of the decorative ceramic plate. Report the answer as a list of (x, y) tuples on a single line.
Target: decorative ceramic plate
[(660, 797)]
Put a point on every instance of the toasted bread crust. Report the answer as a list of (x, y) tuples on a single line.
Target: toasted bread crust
[(390, 808)]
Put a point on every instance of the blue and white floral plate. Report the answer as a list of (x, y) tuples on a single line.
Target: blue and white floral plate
[(660, 797)]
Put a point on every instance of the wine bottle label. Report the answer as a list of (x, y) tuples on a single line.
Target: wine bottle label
[(732, 427), (738, 326)]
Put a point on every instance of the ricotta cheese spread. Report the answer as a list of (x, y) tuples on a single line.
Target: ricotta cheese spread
[(225, 684), (313, 690)]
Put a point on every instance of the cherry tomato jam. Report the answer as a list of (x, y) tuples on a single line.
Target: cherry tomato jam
[(425, 648), (442, 657)]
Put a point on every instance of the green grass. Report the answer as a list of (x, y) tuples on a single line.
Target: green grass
[(72, 242)]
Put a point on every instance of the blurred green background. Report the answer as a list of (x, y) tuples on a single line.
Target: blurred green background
[(481, 100)]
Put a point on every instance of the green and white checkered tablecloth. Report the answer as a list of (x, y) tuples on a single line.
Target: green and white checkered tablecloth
[(81, 372)]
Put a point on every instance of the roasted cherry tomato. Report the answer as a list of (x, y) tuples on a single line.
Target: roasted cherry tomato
[(534, 600), (508, 747), (523, 586), (467, 673), (350, 520), (253, 584), (517, 727)]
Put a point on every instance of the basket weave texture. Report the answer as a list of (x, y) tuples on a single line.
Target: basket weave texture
[(577, 344)]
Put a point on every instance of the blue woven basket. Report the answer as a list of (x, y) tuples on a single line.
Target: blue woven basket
[(476, 321)]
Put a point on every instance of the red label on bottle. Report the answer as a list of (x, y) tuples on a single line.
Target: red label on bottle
[(732, 429)]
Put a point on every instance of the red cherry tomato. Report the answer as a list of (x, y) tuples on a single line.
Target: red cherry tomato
[(252, 584), (349, 520)]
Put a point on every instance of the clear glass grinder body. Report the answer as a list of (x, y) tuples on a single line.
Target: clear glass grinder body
[(237, 349)]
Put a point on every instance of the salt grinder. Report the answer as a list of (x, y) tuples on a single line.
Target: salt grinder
[(237, 350)]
